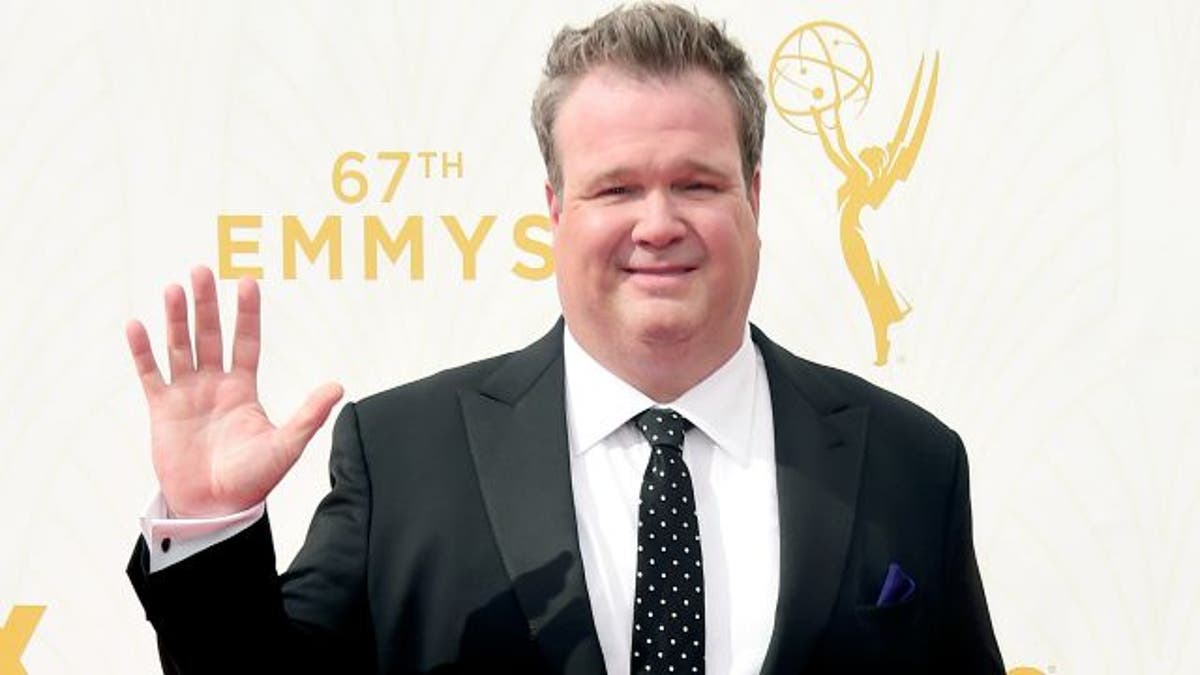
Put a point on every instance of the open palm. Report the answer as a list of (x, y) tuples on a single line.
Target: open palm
[(215, 451)]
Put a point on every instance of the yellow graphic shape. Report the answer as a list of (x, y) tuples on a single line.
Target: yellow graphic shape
[(823, 57), (1025, 671), (815, 59), (15, 635)]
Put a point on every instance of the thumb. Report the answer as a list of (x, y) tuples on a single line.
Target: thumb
[(299, 429)]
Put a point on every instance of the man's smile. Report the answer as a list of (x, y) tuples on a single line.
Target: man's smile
[(660, 279), (660, 270)]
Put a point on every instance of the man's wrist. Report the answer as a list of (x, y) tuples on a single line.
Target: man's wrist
[(171, 539)]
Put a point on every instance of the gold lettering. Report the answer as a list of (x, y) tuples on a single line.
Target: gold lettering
[(535, 246), (341, 174), (15, 634), (401, 159), (227, 245), (427, 156), (330, 233), (375, 236), (468, 247), (456, 163)]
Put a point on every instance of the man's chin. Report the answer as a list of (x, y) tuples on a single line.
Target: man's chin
[(665, 328)]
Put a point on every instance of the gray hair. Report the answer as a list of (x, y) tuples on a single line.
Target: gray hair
[(651, 39)]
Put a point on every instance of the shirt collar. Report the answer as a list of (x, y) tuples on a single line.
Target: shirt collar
[(722, 405)]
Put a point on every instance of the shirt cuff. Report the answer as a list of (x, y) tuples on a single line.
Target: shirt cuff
[(171, 540)]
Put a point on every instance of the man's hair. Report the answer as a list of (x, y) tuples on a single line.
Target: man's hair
[(650, 39)]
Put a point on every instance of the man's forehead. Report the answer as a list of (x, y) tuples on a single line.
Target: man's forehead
[(615, 79), (611, 114)]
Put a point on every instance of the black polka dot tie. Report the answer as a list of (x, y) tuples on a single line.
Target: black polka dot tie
[(668, 604)]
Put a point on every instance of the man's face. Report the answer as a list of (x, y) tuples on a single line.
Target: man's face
[(655, 233)]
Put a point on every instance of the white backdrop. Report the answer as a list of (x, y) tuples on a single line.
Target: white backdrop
[(1046, 239)]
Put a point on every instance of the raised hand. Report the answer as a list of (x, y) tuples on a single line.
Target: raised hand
[(214, 450)]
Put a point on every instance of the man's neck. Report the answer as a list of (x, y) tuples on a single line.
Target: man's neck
[(662, 370)]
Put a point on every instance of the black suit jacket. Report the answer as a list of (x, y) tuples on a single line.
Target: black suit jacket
[(448, 540)]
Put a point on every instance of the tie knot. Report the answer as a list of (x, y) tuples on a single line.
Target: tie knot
[(663, 426)]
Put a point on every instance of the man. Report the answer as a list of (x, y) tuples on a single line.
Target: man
[(501, 516)]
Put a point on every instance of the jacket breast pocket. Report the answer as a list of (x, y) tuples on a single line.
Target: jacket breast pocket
[(895, 612), (894, 638)]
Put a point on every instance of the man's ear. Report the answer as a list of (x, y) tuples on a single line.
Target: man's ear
[(552, 205), (754, 189)]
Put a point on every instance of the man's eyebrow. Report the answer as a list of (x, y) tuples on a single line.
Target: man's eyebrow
[(623, 173), (715, 173), (698, 166), (612, 175)]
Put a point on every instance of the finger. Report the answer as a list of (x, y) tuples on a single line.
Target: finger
[(179, 344), (208, 320), (299, 430), (246, 334), (143, 359)]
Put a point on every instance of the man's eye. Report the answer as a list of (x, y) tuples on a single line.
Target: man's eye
[(698, 186), (616, 190)]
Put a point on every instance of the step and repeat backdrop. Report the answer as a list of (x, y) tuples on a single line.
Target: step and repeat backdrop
[(373, 164)]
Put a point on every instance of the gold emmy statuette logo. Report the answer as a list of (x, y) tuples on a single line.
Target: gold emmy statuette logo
[(819, 69), (15, 634)]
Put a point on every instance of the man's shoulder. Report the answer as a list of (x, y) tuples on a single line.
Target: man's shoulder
[(443, 383), (831, 390), (490, 375)]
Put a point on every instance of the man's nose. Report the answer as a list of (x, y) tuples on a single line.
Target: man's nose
[(659, 223)]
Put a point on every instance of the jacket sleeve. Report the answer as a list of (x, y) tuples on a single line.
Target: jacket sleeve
[(968, 644), (225, 610)]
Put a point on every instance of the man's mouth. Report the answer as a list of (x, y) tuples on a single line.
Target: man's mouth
[(660, 280), (660, 270)]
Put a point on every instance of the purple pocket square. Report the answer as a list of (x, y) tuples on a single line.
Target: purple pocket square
[(897, 587)]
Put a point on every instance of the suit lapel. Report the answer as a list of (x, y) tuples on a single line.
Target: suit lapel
[(516, 426), (819, 443)]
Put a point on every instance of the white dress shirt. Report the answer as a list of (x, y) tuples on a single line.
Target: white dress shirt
[(731, 457), (170, 540)]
